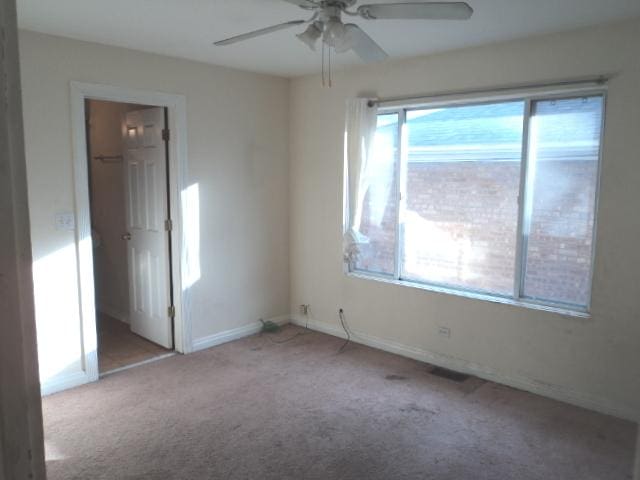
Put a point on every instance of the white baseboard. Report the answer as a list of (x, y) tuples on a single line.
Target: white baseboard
[(113, 313), (555, 392), (235, 333), (64, 382), (138, 364)]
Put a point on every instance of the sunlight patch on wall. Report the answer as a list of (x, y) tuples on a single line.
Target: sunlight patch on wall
[(57, 313), (190, 203)]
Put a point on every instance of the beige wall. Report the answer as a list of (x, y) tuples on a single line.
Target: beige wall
[(108, 218), (591, 361), (239, 126), (237, 148)]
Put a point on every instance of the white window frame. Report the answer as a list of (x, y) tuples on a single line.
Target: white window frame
[(528, 97)]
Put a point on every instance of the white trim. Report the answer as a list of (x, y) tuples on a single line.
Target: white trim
[(401, 173), (138, 364), (235, 333), (84, 246), (65, 382), (528, 95), (487, 297), (176, 105), (544, 389)]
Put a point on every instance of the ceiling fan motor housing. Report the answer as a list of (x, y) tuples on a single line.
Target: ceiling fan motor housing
[(328, 14), (341, 4)]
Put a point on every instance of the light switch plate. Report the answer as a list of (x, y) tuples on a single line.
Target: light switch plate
[(65, 221), (444, 331)]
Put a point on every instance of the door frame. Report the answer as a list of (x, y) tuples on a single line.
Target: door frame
[(21, 435), (177, 171)]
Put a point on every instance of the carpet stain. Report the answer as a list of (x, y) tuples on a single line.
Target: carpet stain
[(415, 408), (300, 411)]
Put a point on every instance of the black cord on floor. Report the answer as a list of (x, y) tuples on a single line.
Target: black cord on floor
[(299, 334), (296, 335), (346, 330)]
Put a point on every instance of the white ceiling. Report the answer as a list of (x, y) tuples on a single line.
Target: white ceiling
[(187, 28)]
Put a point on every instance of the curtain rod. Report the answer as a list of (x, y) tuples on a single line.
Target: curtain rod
[(599, 80)]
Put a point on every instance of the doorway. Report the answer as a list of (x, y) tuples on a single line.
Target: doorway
[(182, 237), (127, 152)]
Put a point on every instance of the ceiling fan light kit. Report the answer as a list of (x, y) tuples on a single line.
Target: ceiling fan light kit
[(348, 40), (326, 23), (333, 32), (311, 35)]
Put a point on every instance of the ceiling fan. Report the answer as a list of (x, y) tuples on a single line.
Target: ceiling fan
[(326, 23)]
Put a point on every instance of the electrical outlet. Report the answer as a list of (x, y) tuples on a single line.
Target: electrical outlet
[(65, 221), (444, 331), (304, 309)]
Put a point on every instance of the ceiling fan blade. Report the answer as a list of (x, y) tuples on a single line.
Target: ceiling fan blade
[(417, 10), (363, 45), (257, 33), (303, 3)]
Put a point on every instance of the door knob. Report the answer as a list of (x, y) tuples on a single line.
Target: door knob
[(126, 236)]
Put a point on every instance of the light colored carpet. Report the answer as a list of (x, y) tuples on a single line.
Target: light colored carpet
[(254, 409)]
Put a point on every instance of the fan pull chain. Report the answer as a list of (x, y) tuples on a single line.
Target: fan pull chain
[(330, 73), (326, 66), (323, 82)]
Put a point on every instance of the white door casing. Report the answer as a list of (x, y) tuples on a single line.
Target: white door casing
[(146, 236), (177, 124)]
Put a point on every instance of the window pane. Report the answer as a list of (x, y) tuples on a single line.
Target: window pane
[(379, 212), (562, 180), (462, 184)]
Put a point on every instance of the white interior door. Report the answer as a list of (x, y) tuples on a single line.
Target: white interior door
[(148, 240)]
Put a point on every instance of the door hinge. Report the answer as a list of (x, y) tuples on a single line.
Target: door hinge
[(171, 311), (166, 134), (168, 225)]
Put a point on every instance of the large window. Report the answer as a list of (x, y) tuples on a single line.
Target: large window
[(492, 198)]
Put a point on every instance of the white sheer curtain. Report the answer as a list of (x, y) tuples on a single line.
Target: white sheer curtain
[(360, 129)]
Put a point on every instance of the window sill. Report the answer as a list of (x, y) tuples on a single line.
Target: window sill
[(474, 295)]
